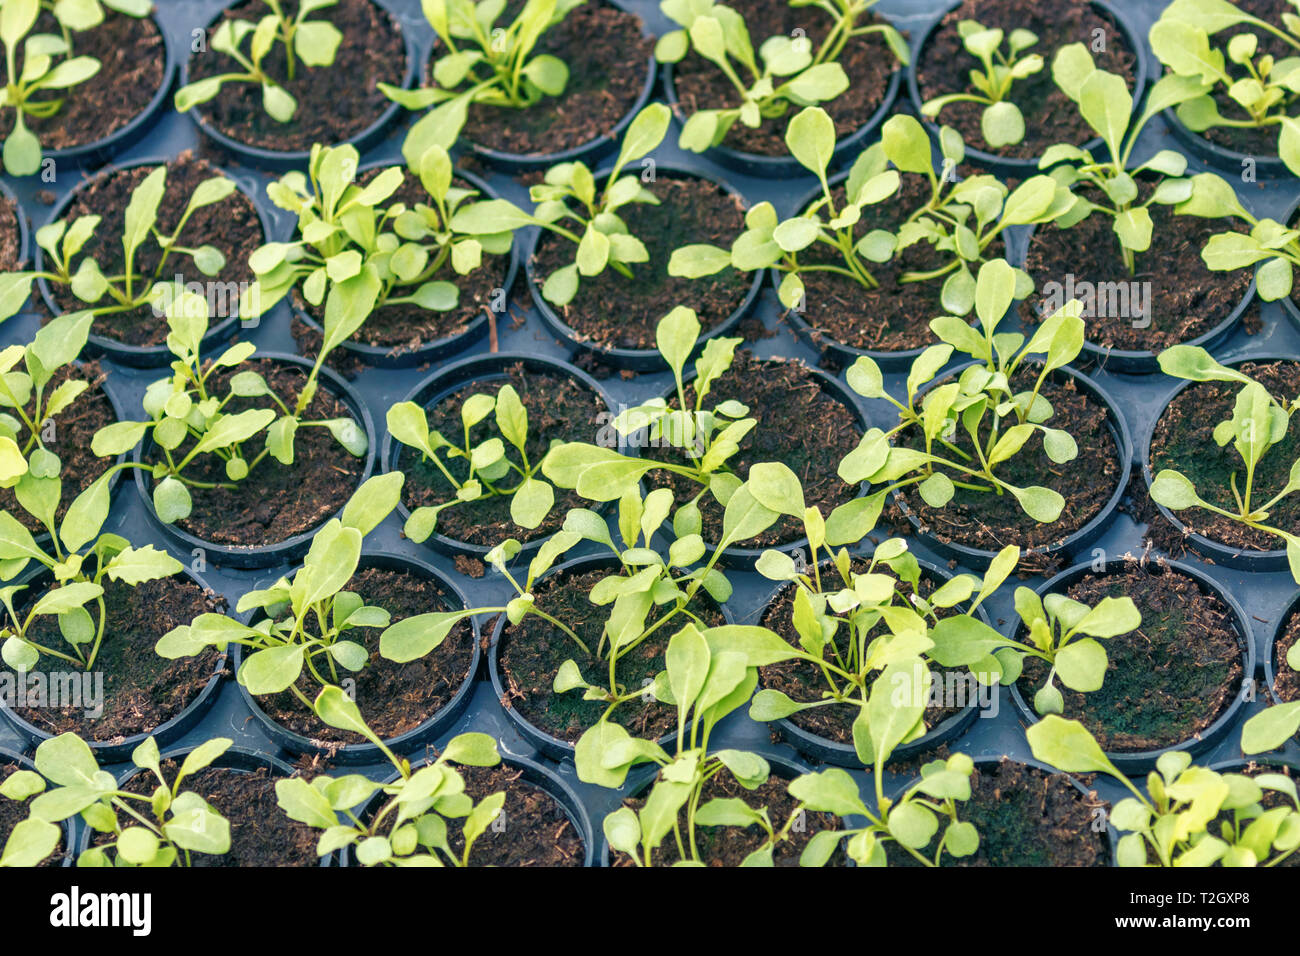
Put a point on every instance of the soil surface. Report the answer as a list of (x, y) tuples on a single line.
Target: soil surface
[(141, 691), (1168, 680), (533, 829), (274, 501), (611, 311), (1286, 682), (607, 52), (532, 652), (1184, 441), (990, 521), (560, 409), (800, 423), (10, 235), (13, 813), (335, 102), (867, 61), (232, 226), (132, 59), (1050, 116)]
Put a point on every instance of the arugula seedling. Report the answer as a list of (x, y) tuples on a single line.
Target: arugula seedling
[(1172, 825), (481, 63), (1259, 423), (1263, 86), (314, 42), (159, 829)]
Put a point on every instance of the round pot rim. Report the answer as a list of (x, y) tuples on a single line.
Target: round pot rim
[(155, 356), (269, 554), (1132, 761), (1288, 304), (380, 356), (166, 732), (638, 359), (980, 557), (1216, 155), (1287, 615), (439, 720), (439, 385), (1222, 554), (24, 236), (1135, 43), (260, 156)]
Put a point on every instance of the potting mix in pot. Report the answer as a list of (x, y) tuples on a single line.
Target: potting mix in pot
[(572, 433)]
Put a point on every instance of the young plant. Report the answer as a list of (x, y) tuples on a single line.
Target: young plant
[(1262, 86), (1110, 186), (1190, 815), (568, 195), (314, 42), (959, 220), (787, 71), (188, 416), (159, 829), (1259, 423), (1002, 123), (481, 63), (410, 827), (350, 235)]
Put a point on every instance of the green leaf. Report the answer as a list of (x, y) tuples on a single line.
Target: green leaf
[(272, 670), (1067, 745), (1271, 728), (810, 137), (906, 144)]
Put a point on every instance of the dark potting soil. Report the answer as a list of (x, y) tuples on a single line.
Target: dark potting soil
[(1286, 681), (531, 654), (232, 226), (867, 61), (1025, 817), (894, 317), (141, 691), (407, 327), (559, 408), (1184, 440), (73, 429), (260, 833), (10, 235), (1184, 298), (991, 521), (132, 58), (1168, 680), (335, 102), (728, 846), (533, 829), (13, 813), (944, 66), (394, 698), (612, 311), (800, 423), (274, 501), (801, 681), (607, 53)]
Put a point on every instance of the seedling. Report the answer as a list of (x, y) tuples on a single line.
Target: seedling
[(1190, 815), (481, 63), (786, 73), (1259, 422), (314, 42), (159, 829), (1002, 123)]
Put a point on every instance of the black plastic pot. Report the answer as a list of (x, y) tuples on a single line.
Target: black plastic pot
[(20, 215), (1270, 652), (260, 556), (277, 160), (145, 356), (67, 826), (786, 166), (166, 733), (1288, 304), (548, 745), (368, 753), (532, 772), (235, 758), (385, 357), (980, 559), (640, 360), (1021, 168), (1140, 761), (1221, 157), (484, 370), (1220, 554), (816, 747)]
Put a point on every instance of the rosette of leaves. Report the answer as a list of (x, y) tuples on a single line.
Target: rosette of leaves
[(313, 42)]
